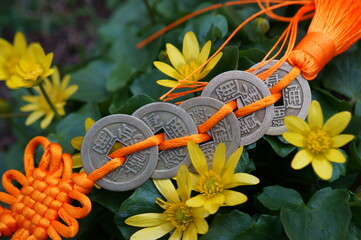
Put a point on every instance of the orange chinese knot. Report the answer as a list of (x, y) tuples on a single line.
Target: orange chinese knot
[(42, 205)]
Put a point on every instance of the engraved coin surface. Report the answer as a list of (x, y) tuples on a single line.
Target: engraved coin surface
[(99, 140), (225, 131), (246, 88), (175, 123), (296, 97)]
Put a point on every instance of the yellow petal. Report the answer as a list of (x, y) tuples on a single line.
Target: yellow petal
[(296, 124), (29, 108), (201, 225), (211, 206), (147, 219), (15, 81), (47, 120), (88, 123), (204, 54), (335, 155), (31, 99), (167, 83), (190, 46), (340, 140), (20, 43), (77, 161), (199, 212), (166, 188), (76, 142), (234, 198), (175, 56), (337, 123), (197, 201), (190, 233), (241, 179), (219, 158), (302, 159), (230, 166), (322, 167), (315, 115), (153, 233), (168, 70), (184, 183), (197, 157), (34, 116), (65, 81), (295, 139), (70, 91), (210, 65), (176, 235)]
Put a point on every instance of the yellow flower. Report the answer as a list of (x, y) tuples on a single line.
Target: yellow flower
[(58, 92), (184, 221), (319, 142), (32, 68), (186, 62), (76, 143), (10, 56), (213, 184)]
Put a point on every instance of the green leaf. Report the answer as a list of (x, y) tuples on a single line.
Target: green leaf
[(133, 104), (229, 61), (250, 57), (326, 216), (355, 155), (146, 84), (228, 226), (141, 201), (237, 225), (245, 164), (282, 149), (343, 75), (110, 200), (266, 227), (354, 233), (276, 197), (119, 98), (204, 26), (73, 125), (91, 81)]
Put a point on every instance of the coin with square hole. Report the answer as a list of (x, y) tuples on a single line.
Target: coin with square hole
[(174, 122), (296, 97), (97, 145), (225, 131), (245, 88)]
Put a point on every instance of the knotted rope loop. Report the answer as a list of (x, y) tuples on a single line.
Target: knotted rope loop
[(312, 54), (42, 206)]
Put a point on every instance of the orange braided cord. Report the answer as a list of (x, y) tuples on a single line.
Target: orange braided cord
[(42, 205)]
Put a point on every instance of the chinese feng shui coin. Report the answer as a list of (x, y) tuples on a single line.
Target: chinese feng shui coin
[(245, 88), (100, 139), (225, 131), (296, 97), (174, 122)]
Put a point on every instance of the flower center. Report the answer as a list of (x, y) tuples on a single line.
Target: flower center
[(187, 69), (10, 65), (318, 141), (180, 215), (33, 72), (209, 184)]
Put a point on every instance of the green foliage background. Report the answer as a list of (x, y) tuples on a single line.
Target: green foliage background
[(95, 43)]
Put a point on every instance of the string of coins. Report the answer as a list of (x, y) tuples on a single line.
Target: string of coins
[(236, 108)]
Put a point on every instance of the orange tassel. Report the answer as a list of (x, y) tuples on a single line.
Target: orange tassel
[(335, 26)]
